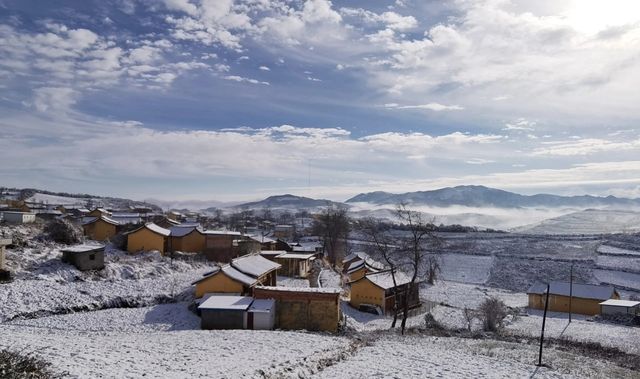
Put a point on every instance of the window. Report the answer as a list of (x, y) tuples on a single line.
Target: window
[(92, 257)]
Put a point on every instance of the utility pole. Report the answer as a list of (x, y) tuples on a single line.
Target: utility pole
[(570, 291), (544, 319)]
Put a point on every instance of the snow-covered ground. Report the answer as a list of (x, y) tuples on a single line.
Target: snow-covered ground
[(612, 250), (466, 268), (285, 281), (147, 342), (463, 295), (619, 278), (393, 356)]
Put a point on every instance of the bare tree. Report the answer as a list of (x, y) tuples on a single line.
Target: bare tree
[(333, 226), (492, 311), (469, 315), (384, 245), (414, 250)]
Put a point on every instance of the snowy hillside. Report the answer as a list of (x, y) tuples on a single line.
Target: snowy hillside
[(591, 221)]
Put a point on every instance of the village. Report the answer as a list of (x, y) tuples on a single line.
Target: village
[(279, 277)]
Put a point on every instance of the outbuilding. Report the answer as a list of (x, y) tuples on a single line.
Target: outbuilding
[(264, 270), (19, 217), (147, 238), (378, 289), (84, 257), (188, 239), (262, 314), (100, 228), (616, 307), (225, 279), (295, 265), (582, 298), (358, 269), (316, 309), (224, 312)]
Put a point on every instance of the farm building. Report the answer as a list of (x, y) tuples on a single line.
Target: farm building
[(586, 298), (224, 312), (262, 314), (166, 223), (264, 270), (295, 265), (18, 217), (126, 218), (377, 288), (186, 239), (316, 309), (84, 257), (616, 307), (224, 280), (266, 243), (272, 254), (358, 269), (286, 232), (148, 237), (100, 228), (353, 257)]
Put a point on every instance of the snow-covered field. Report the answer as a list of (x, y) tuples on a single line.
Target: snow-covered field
[(612, 250), (466, 268)]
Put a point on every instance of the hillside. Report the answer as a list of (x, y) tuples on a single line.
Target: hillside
[(289, 201), (481, 196)]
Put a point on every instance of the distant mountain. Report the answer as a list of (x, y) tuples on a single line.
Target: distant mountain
[(289, 201), (481, 196)]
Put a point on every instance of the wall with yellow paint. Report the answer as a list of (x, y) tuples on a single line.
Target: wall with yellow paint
[(145, 240), (193, 242), (219, 283), (100, 230), (365, 292)]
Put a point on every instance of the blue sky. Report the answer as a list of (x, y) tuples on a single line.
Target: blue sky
[(236, 100)]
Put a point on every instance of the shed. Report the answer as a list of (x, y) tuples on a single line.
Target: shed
[(264, 270), (84, 257), (377, 288), (315, 309), (148, 237), (224, 280), (262, 314), (224, 312), (272, 254), (615, 307), (99, 212), (19, 217), (100, 228), (585, 298), (219, 245)]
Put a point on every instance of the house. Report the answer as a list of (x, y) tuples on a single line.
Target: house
[(585, 298), (126, 218), (225, 279), (266, 243), (316, 309), (100, 228), (295, 265), (353, 257), (286, 232), (148, 237), (186, 239), (175, 216), (14, 217), (377, 288), (221, 245), (358, 269), (262, 314), (224, 312), (264, 270), (616, 307), (48, 214), (166, 223), (84, 257), (272, 254)]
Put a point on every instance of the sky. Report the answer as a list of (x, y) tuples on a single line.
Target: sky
[(236, 100)]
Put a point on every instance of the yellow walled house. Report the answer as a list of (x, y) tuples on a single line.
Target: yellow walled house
[(187, 239), (148, 237), (294, 265), (100, 228), (585, 298), (259, 267), (358, 269), (377, 288), (225, 280)]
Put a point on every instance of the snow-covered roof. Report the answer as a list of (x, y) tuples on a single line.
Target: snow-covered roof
[(583, 291), (240, 303), (254, 265), (222, 232), (357, 265), (384, 280), (262, 305), (231, 273), (621, 303), (272, 252), (82, 248), (262, 239), (103, 218), (302, 289), (295, 256), (181, 231), (356, 255), (154, 228)]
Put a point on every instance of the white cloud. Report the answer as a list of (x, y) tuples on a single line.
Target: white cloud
[(181, 5), (242, 79), (54, 99), (264, 68), (436, 107), (520, 124)]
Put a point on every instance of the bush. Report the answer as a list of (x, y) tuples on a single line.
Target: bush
[(492, 311), (63, 231), (17, 366)]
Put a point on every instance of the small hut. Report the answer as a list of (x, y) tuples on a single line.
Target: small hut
[(85, 257)]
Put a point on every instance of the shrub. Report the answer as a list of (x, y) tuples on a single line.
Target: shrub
[(18, 366), (63, 231), (492, 311)]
